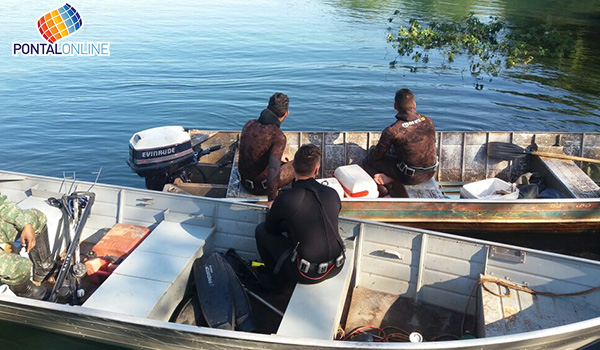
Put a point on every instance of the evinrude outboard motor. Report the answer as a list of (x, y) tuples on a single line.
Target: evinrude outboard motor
[(158, 153)]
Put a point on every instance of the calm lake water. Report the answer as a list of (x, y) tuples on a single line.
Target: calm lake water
[(214, 64)]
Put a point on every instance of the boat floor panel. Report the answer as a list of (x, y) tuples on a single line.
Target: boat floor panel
[(518, 311), (378, 309)]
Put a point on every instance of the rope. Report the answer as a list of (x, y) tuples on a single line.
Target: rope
[(509, 287)]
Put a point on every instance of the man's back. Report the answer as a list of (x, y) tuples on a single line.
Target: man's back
[(300, 213), (257, 141), (413, 139)]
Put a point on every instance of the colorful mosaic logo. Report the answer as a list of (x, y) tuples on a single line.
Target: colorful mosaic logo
[(54, 26), (59, 23)]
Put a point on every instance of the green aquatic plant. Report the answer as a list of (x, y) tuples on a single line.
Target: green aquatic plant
[(489, 46)]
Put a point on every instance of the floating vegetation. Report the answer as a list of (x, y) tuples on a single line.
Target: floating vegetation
[(489, 46)]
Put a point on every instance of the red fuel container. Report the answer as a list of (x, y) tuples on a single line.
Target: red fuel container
[(119, 242)]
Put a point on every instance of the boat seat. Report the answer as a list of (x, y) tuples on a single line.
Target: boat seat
[(152, 280), (53, 221), (566, 176), (427, 189), (314, 310)]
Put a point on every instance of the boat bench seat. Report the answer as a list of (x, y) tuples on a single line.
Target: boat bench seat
[(567, 177), (152, 280), (427, 189), (314, 310)]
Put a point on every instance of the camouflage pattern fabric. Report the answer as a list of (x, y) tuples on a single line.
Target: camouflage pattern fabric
[(15, 269)]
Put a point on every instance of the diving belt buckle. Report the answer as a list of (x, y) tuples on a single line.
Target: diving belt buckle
[(250, 184), (405, 169), (322, 268)]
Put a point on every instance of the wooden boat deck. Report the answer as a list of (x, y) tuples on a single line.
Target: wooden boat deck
[(463, 159), (462, 155)]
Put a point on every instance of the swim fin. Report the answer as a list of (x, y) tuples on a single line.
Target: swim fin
[(222, 297)]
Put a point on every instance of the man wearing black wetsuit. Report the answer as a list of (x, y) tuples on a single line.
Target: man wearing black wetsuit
[(313, 250), (411, 140)]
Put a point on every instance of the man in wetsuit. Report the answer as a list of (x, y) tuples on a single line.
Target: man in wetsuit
[(261, 147), (312, 249), (412, 142)]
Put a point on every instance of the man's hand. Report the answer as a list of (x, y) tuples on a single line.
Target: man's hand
[(382, 179), (269, 204), (28, 237)]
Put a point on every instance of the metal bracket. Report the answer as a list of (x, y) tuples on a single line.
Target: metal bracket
[(507, 254)]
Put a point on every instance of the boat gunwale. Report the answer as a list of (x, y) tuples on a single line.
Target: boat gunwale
[(273, 338), (344, 218)]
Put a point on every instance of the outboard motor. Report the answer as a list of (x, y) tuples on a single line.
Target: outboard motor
[(158, 154)]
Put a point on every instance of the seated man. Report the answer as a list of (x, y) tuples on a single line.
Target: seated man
[(15, 270), (313, 250), (261, 147), (412, 142)]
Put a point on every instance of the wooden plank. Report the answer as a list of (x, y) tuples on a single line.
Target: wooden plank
[(566, 176), (427, 189), (575, 181), (198, 189), (234, 188), (199, 136), (450, 159)]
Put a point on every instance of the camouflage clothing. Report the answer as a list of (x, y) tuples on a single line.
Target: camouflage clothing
[(15, 269)]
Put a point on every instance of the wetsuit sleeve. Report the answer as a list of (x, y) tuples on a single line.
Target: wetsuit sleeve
[(274, 169), (384, 144)]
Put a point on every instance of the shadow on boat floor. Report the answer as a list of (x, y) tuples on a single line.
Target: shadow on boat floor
[(394, 317)]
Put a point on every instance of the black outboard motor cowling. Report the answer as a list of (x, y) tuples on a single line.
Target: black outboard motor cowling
[(160, 152)]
